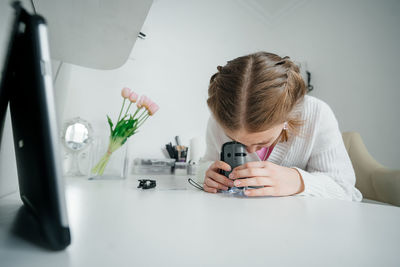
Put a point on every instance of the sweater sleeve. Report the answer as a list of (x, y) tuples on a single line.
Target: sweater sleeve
[(211, 154), (329, 172)]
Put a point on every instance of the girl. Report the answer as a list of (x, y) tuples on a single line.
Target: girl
[(293, 140)]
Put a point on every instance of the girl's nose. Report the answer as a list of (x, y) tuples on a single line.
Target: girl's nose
[(250, 149)]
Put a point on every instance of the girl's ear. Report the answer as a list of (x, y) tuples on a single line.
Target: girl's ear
[(285, 125), (284, 134)]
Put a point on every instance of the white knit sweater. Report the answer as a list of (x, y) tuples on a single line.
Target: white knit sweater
[(318, 153)]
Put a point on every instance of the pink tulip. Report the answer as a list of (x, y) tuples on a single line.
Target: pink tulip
[(133, 97), (146, 102), (149, 102), (125, 92), (153, 108), (139, 104)]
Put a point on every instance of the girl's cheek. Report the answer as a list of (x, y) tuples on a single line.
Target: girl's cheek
[(250, 149), (253, 149)]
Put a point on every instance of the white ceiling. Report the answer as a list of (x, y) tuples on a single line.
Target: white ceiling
[(270, 11)]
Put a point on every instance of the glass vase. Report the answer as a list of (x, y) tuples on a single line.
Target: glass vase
[(115, 164)]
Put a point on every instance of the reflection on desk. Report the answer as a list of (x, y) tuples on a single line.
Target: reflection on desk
[(113, 223)]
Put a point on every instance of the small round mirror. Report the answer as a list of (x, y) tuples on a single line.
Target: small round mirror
[(77, 135)]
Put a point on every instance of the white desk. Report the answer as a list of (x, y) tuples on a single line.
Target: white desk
[(115, 224)]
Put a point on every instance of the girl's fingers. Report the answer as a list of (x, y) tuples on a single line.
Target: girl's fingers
[(254, 181), (220, 165), (265, 191), (253, 164), (219, 178), (209, 189), (250, 172), (211, 183)]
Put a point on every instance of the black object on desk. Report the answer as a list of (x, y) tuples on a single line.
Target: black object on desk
[(195, 184), (147, 183)]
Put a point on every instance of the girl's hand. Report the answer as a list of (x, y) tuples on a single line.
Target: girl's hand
[(214, 181), (277, 180)]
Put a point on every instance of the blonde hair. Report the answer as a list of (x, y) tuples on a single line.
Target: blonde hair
[(257, 92)]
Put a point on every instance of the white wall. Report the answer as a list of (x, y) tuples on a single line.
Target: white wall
[(350, 47)]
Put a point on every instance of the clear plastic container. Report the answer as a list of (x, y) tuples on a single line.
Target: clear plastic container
[(153, 166), (180, 168)]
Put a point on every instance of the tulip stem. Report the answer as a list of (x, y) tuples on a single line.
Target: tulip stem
[(128, 108), (140, 123), (123, 103), (141, 115), (137, 110)]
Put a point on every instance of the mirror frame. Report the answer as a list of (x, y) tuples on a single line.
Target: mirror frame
[(73, 121)]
